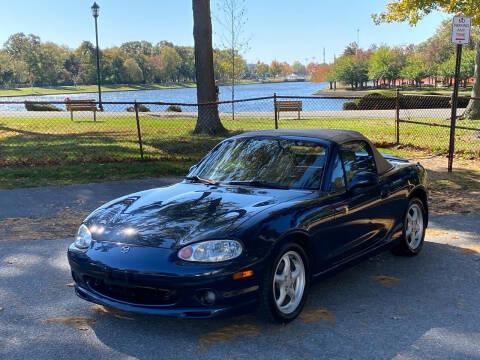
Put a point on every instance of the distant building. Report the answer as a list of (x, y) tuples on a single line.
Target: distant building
[(294, 77)]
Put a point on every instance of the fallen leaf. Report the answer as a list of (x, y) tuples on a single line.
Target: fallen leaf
[(434, 232), (109, 311), (227, 333), (81, 323), (470, 250), (317, 315), (71, 284), (385, 279)]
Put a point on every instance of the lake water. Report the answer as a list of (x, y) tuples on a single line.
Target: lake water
[(188, 95)]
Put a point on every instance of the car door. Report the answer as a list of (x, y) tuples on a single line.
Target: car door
[(355, 210)]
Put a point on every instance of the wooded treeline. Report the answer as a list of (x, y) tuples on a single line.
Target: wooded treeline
[(433, 60)]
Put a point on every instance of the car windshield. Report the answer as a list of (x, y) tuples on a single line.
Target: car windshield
[(264, 162)]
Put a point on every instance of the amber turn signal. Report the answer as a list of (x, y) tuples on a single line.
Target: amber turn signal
[(242, 274)]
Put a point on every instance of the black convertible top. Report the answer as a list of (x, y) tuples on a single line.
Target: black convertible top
[(332, 135)]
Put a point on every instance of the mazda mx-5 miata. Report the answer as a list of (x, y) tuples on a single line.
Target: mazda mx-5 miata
[(250, 226)]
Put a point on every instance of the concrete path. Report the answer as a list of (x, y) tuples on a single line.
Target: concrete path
[(425, 307)]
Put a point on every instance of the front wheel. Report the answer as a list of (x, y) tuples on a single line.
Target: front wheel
[(414, 226), (285, 285)]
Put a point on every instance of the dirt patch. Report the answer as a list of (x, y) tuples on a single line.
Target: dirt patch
[(317, 315), (81, 323), (226, 334), (456, 192), (385, 279), (65, 224)]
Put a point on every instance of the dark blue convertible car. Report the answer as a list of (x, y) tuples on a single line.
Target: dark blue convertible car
[(252, 224)]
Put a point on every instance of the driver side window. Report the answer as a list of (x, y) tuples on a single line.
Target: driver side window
[(357, 156)]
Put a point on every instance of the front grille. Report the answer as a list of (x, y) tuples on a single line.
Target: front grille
[(133, 294)]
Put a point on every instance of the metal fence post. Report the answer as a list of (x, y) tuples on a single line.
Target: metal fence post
[(138, 130), (397, 116), (275, 109), (453, 118)]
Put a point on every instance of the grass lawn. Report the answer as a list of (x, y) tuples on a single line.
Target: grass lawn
[(87, 88), (45, 151)]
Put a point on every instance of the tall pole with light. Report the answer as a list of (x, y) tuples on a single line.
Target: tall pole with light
[(95, 12)]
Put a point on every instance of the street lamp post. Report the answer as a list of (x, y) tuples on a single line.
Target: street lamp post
[(95, 12)]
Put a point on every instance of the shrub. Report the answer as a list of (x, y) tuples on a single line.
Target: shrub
[(33, 106), (174, 108), (382, 101), (376, 101), (350, 106), (141, 108)]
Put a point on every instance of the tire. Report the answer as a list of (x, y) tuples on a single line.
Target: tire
[(292, 285), (414, 226)]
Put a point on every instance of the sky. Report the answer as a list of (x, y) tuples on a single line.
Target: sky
[(284, 30)]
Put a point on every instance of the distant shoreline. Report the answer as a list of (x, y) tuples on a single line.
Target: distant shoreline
[(93, 89)]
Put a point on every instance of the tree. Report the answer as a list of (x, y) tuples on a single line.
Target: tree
[(299, 69), (171, 62), (286, 69), (132, 72), (187, 66), (380, 65), (208, 121), (233, 20), (311, 68), (414, 69), (261, 69), (320, 75), (414, 10), (275, 68), (345, 69)]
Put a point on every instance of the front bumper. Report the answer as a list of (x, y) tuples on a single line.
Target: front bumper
[(152, 281)]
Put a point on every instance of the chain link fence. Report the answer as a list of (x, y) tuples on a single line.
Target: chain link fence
[(76, 132)]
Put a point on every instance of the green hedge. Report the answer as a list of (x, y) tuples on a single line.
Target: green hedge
[(378, 101), (141, 108), (352, 105), (33, 106), (174, 108)]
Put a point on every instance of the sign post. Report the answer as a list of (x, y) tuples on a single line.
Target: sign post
[(460, 35)]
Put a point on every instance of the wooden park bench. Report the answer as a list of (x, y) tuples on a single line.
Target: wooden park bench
[(82, 105), (288, 106)]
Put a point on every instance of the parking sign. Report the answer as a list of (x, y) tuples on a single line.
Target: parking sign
[(461, 30)]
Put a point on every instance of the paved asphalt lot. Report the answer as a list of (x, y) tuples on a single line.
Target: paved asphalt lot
[(427, 307)]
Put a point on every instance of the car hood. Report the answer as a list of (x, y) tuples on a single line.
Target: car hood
[(173, 216)]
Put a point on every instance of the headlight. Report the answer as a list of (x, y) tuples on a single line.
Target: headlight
[(83, 237), (211, 251)]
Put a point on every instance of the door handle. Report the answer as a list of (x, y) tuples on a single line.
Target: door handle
[(342, 208)]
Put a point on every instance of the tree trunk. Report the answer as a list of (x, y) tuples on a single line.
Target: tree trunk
[(208, 121), (473, 108)]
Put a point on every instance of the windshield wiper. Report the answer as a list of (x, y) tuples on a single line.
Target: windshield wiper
[(198, 179), (256, 183)]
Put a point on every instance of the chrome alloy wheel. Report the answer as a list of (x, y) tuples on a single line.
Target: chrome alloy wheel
[(289, 282), (415, 226)]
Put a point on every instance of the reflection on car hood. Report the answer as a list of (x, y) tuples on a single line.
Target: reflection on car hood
[(182, 213)]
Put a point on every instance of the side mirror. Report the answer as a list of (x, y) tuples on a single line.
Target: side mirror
[(363, 179)]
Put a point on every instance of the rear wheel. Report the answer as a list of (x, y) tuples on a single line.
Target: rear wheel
[(285, 285), (414, 225)]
